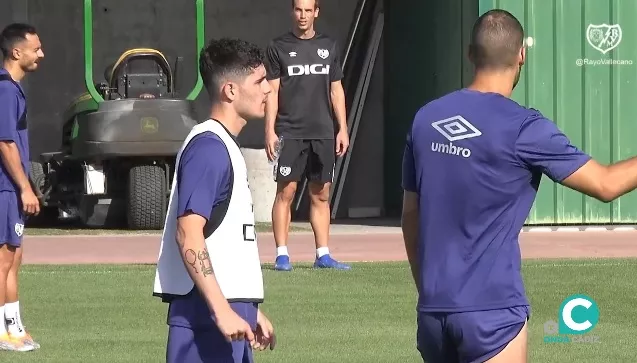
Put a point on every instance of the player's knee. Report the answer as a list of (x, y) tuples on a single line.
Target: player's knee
[(5, 267), (17, 260), (6, 259), (319, 193), (285, 192)]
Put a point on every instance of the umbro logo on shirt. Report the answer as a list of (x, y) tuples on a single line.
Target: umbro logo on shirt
[(456, 128), (453, 129)]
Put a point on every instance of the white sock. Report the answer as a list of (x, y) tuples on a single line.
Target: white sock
[(322, 251), (282, 251), (3, 328), (12, 316)]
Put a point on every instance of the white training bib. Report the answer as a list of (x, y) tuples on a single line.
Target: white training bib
[(232, 246)]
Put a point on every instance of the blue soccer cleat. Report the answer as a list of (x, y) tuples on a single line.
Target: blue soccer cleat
[(326, 261), (282, 263)]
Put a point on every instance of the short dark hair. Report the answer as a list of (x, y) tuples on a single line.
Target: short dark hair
[(316, 4), (496, 39), (12, 34), (225, 59)]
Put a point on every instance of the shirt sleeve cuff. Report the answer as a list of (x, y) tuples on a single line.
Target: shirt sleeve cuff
[(197, 211), (575, 166)]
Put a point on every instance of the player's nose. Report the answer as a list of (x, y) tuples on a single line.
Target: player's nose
[(266, 88)]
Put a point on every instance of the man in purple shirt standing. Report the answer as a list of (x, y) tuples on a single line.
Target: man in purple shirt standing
[(471, 170), (21, 51), (209, 269)]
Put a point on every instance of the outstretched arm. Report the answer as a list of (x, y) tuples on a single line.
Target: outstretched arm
[(605, 183), (542, 146)]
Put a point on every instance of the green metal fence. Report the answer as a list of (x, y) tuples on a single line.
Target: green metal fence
[(581, 72)]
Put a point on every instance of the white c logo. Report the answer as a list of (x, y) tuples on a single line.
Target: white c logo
[(568, 311)]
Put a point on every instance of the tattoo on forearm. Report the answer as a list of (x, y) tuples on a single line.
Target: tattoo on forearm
[(191, 259), (204, 261), (206, 264)]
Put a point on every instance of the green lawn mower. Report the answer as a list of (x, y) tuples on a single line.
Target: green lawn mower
[(120, 140)]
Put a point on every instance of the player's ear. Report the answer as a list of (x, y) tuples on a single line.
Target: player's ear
[(229, 91), (16, 53), (522, 55), (470, 53)]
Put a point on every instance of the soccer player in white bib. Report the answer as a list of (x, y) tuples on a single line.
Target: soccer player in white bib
[(209, 269)]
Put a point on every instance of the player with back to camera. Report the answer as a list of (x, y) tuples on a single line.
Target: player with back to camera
[(305, 72), (209, 268), (471, 170), (21, 51)]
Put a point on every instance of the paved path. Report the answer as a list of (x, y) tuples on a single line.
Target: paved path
[(349, 246)]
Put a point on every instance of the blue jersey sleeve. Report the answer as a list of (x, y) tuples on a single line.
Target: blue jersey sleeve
[(409, 167), (542, 146), (8, 114), (203, 176)]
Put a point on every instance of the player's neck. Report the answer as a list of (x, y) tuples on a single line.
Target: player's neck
[(229, 119), (492, 82), (14, 70), (304, 34)]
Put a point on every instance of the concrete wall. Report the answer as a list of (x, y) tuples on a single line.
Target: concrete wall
[(169, 26)]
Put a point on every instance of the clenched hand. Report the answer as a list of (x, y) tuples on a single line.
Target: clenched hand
[(233, 327), (265, 333), (30, 203)]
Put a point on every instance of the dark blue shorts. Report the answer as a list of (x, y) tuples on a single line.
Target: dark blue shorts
[(206, 344), (470, 336), (11, 219)]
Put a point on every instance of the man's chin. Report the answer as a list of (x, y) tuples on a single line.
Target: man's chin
[(253, 117)]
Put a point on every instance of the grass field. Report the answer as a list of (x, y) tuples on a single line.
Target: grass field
[(106, 313)]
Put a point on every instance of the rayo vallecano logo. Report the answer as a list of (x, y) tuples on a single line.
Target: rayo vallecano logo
[(285, 170), (323, 53), (604, 37), (453, 129), (19, 229)]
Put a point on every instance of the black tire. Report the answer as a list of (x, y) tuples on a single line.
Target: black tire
[(147, 202), (48, 216), (37, 176)]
